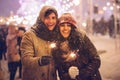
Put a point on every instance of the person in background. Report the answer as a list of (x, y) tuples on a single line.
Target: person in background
[(1, 47), (111, 26), (37, 63), (2, 44), (75, 55), (21, 31), (13, 56)]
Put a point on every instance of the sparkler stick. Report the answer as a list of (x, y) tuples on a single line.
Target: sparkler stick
[(52, 45), (73, 70)]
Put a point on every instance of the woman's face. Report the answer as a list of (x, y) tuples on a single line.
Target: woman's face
[(65, 29), (50, 21)]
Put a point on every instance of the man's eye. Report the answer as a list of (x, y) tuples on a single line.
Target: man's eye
[(53, 17)]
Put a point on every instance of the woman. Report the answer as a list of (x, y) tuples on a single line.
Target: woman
[(75, 51), (35, 47), (13, 56)]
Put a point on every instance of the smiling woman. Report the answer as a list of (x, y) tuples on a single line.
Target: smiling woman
[(75, 56), (65, 29)]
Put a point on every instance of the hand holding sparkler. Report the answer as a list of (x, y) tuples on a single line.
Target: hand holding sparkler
[(72, 55), (45, 60)]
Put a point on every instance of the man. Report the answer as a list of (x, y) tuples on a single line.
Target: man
[(35, 47), (21, 31)]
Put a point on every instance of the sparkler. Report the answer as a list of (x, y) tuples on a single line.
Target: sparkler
[(53, 45), (72, 55)]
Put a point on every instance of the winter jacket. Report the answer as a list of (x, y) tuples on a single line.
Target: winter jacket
[(32, 49), (12, 50), (87, 60), (2, 44), (35, 44)]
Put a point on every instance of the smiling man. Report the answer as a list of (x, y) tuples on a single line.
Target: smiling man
[(35, 47)]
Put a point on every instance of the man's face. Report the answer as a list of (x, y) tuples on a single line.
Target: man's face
[(50, 21)]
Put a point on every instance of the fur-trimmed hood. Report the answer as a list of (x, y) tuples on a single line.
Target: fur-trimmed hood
[(41, 29)]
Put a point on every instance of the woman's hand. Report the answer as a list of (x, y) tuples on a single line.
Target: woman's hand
[(73, 72), (70, 56)]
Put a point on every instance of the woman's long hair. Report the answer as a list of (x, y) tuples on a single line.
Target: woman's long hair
[(74, 40)]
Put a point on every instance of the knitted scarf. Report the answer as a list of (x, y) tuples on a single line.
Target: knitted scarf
[(43, 32)]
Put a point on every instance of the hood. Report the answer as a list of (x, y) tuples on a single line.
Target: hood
[(40, 28), (44, 9)]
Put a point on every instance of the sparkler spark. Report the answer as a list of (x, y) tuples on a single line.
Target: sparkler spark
[(72, 54), (53, 45)]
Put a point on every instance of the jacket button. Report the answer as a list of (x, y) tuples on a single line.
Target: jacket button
[(43, 74)]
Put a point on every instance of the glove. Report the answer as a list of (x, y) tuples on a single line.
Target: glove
[(44, 60), (73, 72)]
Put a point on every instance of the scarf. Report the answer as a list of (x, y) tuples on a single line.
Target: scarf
[(43, 32)]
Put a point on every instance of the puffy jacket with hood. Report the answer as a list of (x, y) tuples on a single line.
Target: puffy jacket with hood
[(35, 44)]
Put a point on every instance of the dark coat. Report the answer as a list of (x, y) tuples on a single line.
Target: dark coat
[(87, 60), (2, 44)]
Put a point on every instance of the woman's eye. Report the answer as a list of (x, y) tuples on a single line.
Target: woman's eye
[(68, 25)]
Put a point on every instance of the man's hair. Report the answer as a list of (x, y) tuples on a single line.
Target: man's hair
[(48, 12)]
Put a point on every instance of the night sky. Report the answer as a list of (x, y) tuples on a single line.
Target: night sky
[(8, 5), (13, 5)]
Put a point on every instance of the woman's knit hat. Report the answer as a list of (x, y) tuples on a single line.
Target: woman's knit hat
[(67, 18)]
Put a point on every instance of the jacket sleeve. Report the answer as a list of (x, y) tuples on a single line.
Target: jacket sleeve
[(93, 60), (28, 51)]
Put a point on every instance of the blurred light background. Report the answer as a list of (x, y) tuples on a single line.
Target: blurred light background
[(26, 11)]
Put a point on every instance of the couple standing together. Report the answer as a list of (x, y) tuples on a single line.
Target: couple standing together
[(55, 43)]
